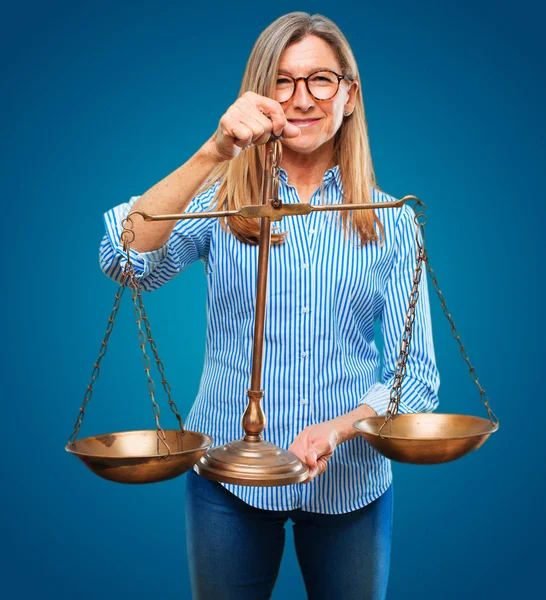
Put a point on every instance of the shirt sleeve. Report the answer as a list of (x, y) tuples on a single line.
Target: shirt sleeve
[(422, 381), (188, 242)]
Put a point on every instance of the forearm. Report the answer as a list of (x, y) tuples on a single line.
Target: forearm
[(344, 423), (171, 195)]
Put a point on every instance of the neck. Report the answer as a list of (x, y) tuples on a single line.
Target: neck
[(306, 171)]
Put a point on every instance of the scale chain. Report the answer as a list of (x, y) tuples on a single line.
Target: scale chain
[(128, 236), (454, 332), (145, 358), (158, 361), (396, 390), (422, 257)]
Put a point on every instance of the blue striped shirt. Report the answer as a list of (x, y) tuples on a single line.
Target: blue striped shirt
[(320, 358)]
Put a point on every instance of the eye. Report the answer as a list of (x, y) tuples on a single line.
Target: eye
[(323, 78)]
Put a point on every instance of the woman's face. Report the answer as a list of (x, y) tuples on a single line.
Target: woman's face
[(317, 120)]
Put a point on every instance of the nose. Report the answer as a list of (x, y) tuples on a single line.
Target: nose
[(302, 99)]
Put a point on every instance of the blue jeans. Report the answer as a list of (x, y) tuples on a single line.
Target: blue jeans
[(235, 550)]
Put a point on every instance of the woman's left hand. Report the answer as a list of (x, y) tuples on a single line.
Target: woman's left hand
[(315, 445)]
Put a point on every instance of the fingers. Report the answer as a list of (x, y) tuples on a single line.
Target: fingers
[(262, 126), (252, 119), (311, 457), (275, 112), (270, 108), (316, 462), (242, 127), (243, 132), (314, 446), (322, 465)]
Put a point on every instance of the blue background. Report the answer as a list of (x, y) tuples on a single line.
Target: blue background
[(101, 101)]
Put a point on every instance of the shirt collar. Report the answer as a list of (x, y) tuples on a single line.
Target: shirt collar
[(331, 175)]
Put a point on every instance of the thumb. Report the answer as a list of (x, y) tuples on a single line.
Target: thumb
[(291, 131)]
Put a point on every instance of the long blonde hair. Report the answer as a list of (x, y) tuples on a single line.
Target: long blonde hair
[(241, 178)]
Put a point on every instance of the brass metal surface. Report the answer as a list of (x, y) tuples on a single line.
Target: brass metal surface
[(254, 419), (138, 456), (252, 463), (275, 211), (261, 297), (425, 438)]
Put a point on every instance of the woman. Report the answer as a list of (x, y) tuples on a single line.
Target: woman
[(330, 278)]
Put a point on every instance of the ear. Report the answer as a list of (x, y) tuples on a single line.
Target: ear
[(351, 99)]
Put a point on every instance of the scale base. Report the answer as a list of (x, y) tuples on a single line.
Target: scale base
[(256, 463)]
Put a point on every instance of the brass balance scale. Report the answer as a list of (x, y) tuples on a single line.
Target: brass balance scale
[(157, 455)]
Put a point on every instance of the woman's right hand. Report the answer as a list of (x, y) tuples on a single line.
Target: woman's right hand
[(250, 121)]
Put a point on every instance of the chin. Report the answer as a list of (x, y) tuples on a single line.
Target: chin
[(301, 145)]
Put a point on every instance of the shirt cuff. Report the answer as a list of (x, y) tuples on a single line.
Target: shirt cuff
[(143, 262), (377, 397)]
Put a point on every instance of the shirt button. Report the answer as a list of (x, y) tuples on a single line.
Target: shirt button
[(304, 354), (304, 401), (304, 266), (305, 309), (312, 231)]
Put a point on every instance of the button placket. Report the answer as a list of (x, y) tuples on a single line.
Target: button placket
[(311, 227), (301, 228), (306, 279), (306, 316)]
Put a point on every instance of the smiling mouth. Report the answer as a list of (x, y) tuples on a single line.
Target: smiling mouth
[(303, 122)]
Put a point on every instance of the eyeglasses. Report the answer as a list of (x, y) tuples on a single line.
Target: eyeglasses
[(322, 85)]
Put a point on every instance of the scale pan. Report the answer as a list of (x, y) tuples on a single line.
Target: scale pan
[(426, 438), (133, 457)]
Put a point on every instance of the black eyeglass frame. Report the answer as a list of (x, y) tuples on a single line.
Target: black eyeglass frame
[(306, 79)]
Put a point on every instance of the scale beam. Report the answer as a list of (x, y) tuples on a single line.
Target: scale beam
[(273, 209)]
